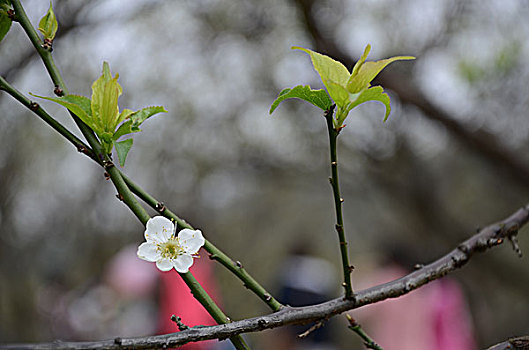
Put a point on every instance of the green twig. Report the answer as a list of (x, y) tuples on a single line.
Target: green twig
[(53, 71), (355, 327), (333, 135), (124, 192), (17, 95), (213, 309), (216, 254)]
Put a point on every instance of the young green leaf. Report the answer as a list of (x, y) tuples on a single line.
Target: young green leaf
[(48, 24), (5, 22), (361, 61), (372, 94), (105, 94), (368, 71), (328, 69), (122, 149), (78, 105), (319, 98), (124, 129), (143, 114)]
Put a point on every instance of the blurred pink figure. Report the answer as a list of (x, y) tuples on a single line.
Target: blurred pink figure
[(135, 279), (433, 317), (176, 299)]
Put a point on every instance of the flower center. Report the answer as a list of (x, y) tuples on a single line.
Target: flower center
[(170, 249)]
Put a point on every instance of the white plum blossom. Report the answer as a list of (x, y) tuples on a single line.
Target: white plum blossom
[(167, 249)]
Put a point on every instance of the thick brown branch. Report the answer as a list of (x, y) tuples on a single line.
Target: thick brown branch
[(486, 238)]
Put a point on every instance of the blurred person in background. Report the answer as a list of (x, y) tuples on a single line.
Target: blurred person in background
[(135, 298), (305, 280), (433, 317)]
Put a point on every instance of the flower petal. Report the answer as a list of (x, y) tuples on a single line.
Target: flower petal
[(148, 251), (159, 229), (191, 240), (164, 264), (182, 263)]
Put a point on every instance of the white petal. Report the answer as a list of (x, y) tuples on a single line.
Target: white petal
[(148, 251), (159, 229), (182, 263), (164, 264), (191, 240)]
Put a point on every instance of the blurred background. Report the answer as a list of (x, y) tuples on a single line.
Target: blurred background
[(453, 155)]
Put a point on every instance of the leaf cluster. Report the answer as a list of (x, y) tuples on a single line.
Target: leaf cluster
[(101, 113), (347, 90)]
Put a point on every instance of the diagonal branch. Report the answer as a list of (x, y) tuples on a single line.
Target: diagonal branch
[(486, 238)]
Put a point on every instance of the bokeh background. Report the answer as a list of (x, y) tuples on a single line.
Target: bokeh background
[(452, 157)]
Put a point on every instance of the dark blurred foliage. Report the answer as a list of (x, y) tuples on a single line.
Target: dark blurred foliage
[(257, 184)]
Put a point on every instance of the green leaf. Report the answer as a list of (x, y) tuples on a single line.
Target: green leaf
[(328, 69), (368, 71), (373, 94), (122, 149), (339, 93), (319, 98), (48, 24), (5, 23), (124, 129), (125, 114), (361, 61), (105, 94), (143, 114), (78, 105)]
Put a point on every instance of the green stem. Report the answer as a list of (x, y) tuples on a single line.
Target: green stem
[(123, 190), (17, 95), (333, 135), (22, 18), (208, 303), (53, 71), (215, 253), (368, 341)]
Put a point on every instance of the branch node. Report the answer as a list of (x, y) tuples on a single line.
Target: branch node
[(181, 326), (107, 164), (515, 245), (47, 45), (34, 106), (58, 91), (107, 176), (238, 264), (267, 297), (11, 15), (418, 266), (119, 196), (160, 207), (342, 200)]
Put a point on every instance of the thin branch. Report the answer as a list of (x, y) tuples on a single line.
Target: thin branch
[(215, 253), (338, 200), (516, 343), (124, 193), (34, 107), (235, 267), (485, 239), (355, 327)]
